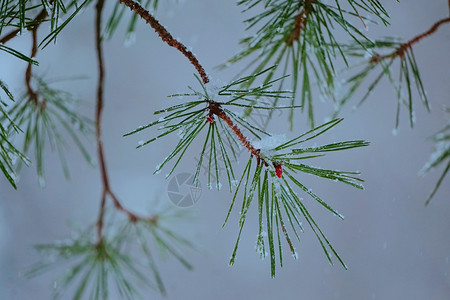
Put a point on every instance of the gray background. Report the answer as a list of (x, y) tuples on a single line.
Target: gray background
[(394, 246)]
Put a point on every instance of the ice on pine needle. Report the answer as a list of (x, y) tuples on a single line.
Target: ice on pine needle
[(270, 142), (440, 149), (130, 39), (213, 87), (266, 144)]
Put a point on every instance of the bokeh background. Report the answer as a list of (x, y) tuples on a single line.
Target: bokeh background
[(395, 247)]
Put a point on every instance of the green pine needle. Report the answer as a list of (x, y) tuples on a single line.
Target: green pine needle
[(9, 154), (409, 76), (126, 260), (189, 118), (441, 156), (302, 35), (278, 197), (117, 16), (50, 120)]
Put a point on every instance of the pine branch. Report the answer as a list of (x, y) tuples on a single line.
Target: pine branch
[(272, 160), (296, 34), (125, 261), (427, 33), (32, 26), (51, 11), (409, 73), (49, 120), (273, 187), (439, 157), (9, 154), (56, 28), (106, 190), (299, 37)]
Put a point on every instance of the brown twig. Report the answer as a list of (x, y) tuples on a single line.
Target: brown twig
[(216, 109), (300, 20), (9, 36), (106, 188), (33, 27), (28, 73), (166, 36), (400, 52), (34, 24), (98, 116)]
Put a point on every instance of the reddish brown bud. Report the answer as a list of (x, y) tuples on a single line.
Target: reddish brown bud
[(278, 170)]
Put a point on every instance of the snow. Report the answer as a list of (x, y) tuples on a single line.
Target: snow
[(130, 39), (181, 133), (41, 181), (270, 142), (277, 187), (12, 158), (76, 124), (213, 88), (260, 247), (158, 169), (440, 148), (368, 54)]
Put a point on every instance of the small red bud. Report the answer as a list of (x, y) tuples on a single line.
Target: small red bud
[(278, 170), (210, 119)]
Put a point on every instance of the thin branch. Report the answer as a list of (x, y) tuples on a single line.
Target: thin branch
[(100, 85), (28, 73), (300, 21), (9, 36), (98, 115), (400, 52), (438, 184), (33, 27), (214, 107), (36, 22), (418, 38), (101, 217), (166, 36), (106, 189)]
